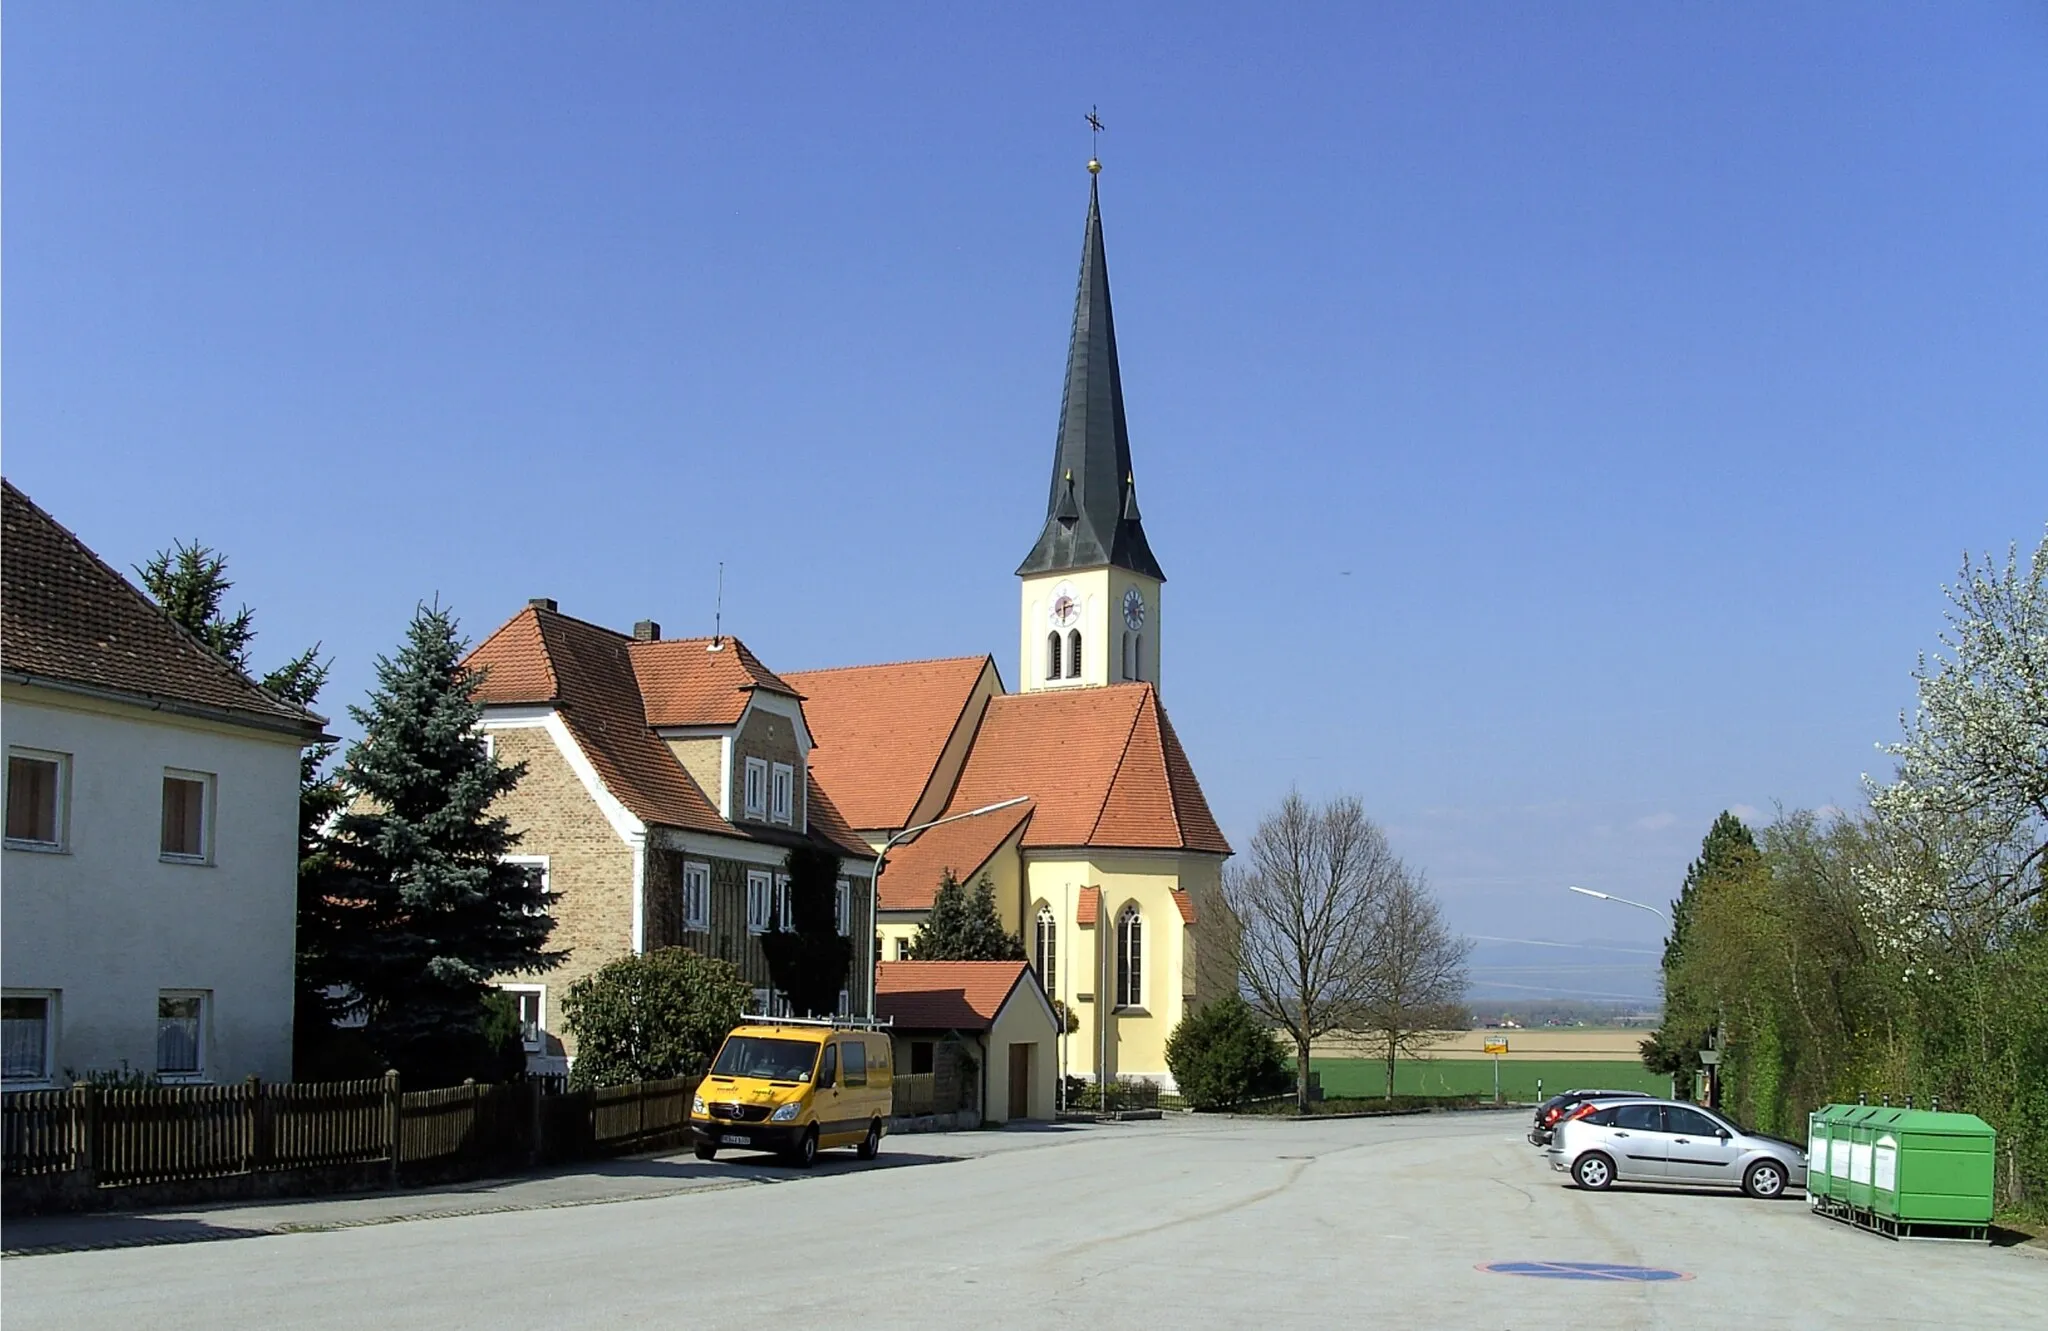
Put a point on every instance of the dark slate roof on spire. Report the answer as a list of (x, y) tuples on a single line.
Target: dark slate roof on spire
[(1091, 516)]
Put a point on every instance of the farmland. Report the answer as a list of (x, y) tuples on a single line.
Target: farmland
[(1474, 1076)]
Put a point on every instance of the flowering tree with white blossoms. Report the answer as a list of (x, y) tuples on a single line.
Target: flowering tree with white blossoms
[(1968, 809)]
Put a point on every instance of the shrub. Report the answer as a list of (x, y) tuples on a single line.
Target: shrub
[(658, 1015), (1222, 1056)]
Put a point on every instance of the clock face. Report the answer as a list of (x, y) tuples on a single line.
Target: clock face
[(1066, 607), (1134, 609)]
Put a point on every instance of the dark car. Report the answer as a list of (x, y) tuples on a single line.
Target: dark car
[(1557, 1106)]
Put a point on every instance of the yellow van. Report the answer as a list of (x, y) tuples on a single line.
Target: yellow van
[(794, 1087)]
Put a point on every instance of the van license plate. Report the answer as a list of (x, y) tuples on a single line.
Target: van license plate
[(735, 1139)]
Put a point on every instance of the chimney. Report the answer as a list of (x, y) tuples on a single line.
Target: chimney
[(541, 602), (646, 630)]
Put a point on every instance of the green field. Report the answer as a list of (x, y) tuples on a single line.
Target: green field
[(1474, 1076)]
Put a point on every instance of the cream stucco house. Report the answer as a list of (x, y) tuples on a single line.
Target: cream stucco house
[(1110, 871), (151, 858)]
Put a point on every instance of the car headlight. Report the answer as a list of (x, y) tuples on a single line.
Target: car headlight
[(786, 1113), (697, 1106)]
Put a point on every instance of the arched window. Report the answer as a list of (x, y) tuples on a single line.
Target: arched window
[(1046, 949), (1128, 672), (1137, 656), (1130, 958), (1052, 655), (1073, 653)]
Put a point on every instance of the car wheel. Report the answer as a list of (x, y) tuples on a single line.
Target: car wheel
[(872, 1145), (1765, 1180), (1593, 1171), (707, 1152), (806, 1153)]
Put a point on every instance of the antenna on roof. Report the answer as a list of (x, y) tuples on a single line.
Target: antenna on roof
[(718, 611)]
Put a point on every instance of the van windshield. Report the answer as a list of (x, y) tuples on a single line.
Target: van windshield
[(766, 1059)]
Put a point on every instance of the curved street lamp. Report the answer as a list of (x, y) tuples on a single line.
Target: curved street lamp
[(1608, 896), (875, 880)]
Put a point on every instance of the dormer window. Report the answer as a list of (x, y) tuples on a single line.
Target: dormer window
[(756, 789), (782, 793)]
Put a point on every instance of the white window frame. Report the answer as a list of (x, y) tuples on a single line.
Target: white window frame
[(538, 1041), (62, 822), (547, 885), (490, 743), (902, 947), (696, 894), (208, 785), (203, 1039), (1045, 946), (769, 1003), (845, 1008), (782, 792), (760, 900), (782, 920), (842, 907), (1130, 979), (48, 1077), (754, 790)]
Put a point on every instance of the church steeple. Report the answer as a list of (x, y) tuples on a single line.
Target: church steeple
[(1091, 516)]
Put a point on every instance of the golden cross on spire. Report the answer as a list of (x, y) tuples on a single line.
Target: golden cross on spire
[(1095, 127)]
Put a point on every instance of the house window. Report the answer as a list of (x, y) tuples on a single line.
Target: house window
[(186, 816), (696, 896), (531, 1002), (1130, 958), (757, 788), (1052, 655), (903, 949), (490, 743), (920, 1057), (760, 900), (784, 793), (1047, 951), (28, 1031), (1073, 653), (845, 1008), (769, 1003), (842, 907), (35, 799), (782, 903), (181, 1034), (535, 870)]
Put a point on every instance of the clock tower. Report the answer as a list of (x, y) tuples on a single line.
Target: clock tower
[(1091, 586)]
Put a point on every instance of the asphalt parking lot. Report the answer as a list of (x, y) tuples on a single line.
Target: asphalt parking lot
[(1377, 1222)]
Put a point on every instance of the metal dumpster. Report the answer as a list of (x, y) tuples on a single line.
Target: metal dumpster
[(1822, 1183), (1904, 1173)]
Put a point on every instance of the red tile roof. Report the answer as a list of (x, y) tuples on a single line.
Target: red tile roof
[(685, 682), (1089, 908), (588, 673), (1185, 904), (1103, 768), (66, 617), (881, 729), (910, 876), (946, 995)]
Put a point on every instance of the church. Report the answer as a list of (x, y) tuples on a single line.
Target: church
[(667, 777), (1109, 868)]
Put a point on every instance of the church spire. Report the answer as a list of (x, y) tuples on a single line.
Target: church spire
[(1091, 516)]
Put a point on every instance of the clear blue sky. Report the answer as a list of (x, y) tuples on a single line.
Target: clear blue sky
[(1556, 423)]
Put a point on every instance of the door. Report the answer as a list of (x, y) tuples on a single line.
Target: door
[(1638, 1141), (1699, 1153), (1020, 1081)]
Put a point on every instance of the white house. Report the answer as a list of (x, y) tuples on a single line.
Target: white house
[(149, 874)]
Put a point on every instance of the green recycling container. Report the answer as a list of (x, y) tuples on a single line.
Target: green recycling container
[(1822, 1125), (1930, 1168), (1852, 1165)]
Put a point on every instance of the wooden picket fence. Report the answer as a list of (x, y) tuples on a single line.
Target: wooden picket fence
[(914, 1093), (88, 1137)]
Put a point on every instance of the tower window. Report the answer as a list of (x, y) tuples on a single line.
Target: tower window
[(1137, 656), (1130, 672), (1052, 655), (1073, 654)]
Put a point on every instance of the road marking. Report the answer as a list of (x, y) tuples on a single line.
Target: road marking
[(1609, 1271)]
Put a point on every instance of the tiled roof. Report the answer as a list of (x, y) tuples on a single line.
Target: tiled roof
[(684, 682), (67, 617), (828, 822), (881, 729), (1089, 908), (946, 995), (1185, 904), (1103, 768), (910, 876), (588, 673)]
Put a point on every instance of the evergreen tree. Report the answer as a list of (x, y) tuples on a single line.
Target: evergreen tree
[(1223, 1055), (416, 909), (809, 962), (1728, 856), (191, 582), (1727, 853), (964, 925)]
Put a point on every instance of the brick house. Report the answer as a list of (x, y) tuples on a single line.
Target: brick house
[(667, 779)]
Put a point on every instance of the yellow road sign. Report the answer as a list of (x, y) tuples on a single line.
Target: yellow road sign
[(1496, 1046)]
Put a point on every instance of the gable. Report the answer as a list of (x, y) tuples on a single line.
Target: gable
[(889, 739)]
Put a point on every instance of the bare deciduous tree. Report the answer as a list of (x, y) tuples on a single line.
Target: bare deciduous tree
[(1308, 900), (1418, 972)]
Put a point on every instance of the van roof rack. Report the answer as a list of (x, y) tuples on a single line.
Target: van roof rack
[(835, 1023)]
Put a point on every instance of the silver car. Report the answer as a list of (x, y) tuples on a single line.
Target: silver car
[(1670, 1141)]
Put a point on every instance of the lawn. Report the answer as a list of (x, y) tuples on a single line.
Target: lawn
[(1474, 1076)]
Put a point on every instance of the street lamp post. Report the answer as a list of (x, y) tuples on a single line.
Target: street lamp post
[(875, 880), (1608, 896)]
